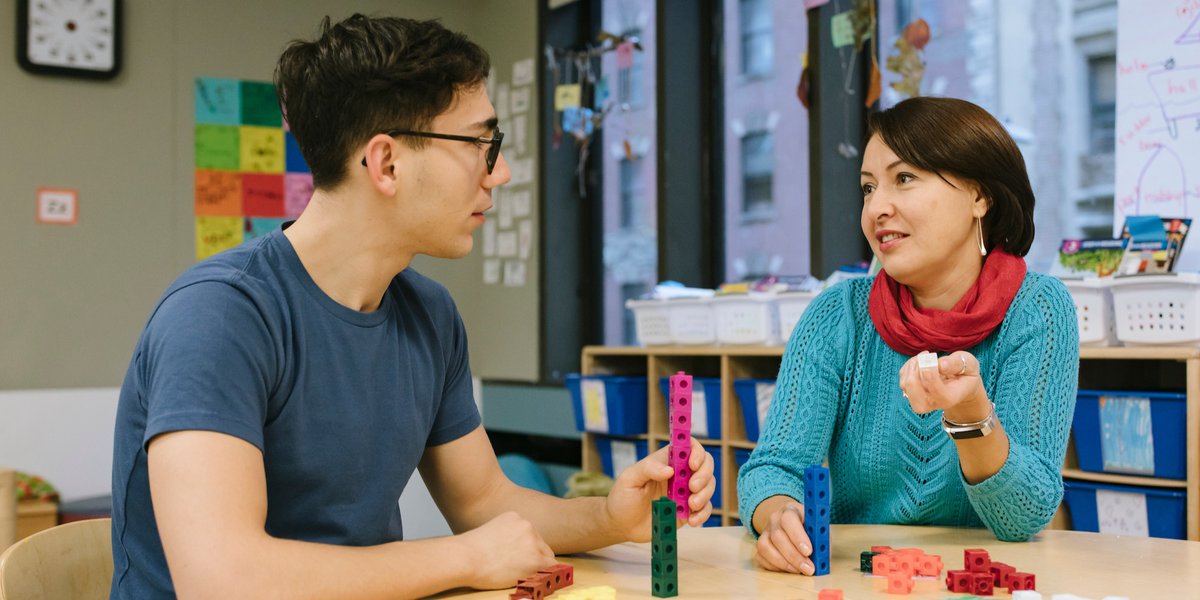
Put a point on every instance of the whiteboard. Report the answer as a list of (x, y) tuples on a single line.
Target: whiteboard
[(1158, 115)]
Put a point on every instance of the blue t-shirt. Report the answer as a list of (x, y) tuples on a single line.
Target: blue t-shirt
[(341, 403)]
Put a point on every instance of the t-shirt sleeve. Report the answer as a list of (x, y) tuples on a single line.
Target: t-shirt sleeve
[(208, 364), (457, 414)]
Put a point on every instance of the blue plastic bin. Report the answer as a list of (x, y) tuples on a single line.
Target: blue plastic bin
[(747, 393), (624, 402), (1113, 433), (605, 446), (1165, 509), (715, 451), (713, 521), (741, 456), (710, 427)]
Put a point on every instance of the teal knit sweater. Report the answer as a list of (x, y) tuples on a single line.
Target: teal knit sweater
[(838, 397)]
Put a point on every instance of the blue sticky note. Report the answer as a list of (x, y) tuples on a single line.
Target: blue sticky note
[(601, 93), (293, 157), (571, 120), (260, 226), (1146, 228), (218, 101)]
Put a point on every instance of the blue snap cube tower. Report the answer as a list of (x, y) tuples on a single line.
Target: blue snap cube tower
[(816, 516)]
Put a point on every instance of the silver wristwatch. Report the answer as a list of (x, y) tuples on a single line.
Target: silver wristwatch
[(966, 431)]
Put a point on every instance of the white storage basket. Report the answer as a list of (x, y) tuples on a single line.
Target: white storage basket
[(1157, 309), (1094, 311), (791, 305), (692, 321), (746, 319), (651, 321)]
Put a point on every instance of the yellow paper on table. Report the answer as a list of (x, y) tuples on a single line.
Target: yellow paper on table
[(214, 234)]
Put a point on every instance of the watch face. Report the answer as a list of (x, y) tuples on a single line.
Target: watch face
[(74, 37)]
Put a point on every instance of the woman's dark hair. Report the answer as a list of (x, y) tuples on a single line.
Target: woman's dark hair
[(946, 135), (367, 75)]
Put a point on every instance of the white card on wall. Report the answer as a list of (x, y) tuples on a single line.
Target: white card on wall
[(506, 244), (522, 72), (519, 99), (491, 271), (521, 204), (57, 206), (519, 128), (522, 171), (504, 211), (489, 238), (524, 238), (514, 273), (501, 101), (1122, 513)]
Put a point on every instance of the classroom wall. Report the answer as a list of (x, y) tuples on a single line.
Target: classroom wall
[(75, 297)]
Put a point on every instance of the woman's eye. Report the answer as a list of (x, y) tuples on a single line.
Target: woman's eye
[(905, 177), (867, 188)]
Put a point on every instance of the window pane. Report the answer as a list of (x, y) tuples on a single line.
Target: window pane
[(628, 153), (1044, 69), (766, 201)]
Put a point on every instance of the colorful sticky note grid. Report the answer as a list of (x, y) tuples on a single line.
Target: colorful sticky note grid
[(261, 149), (218, 101), (218, 193), (217, 147), (260, 105), (215, 234)]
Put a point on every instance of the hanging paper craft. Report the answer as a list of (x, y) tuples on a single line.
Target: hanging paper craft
[(566, 96), (625, 55)]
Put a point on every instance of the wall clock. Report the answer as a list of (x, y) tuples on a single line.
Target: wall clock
[(79, 38)]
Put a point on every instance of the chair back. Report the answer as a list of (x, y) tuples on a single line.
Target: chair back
[(8, 507), (68, 561)]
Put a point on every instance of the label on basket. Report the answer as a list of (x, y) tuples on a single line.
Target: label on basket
[(624, 455), (699, 413), (1122, 513), (595, 405), (763, 393), (1126, 438)]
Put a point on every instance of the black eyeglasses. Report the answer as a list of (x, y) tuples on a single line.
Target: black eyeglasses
[(493, 153)]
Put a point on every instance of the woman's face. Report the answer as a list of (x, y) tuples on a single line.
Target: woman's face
[(919, 225)]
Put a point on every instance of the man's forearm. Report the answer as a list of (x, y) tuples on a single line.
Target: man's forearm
[(567, 525)]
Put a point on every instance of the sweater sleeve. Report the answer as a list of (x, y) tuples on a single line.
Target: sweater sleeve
[(800, 420), (1035, 402)]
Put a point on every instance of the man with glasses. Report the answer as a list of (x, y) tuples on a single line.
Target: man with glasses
[(283, 392)]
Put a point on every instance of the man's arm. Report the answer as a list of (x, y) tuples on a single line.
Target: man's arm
[(465, 480), (210, 504)]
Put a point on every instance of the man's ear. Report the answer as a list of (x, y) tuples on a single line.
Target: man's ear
[(379, 158)]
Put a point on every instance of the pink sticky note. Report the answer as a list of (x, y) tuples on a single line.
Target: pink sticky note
[(297, 191), (624, 55)]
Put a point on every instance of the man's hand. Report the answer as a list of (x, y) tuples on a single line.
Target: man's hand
[(628, 504), (504, 551)]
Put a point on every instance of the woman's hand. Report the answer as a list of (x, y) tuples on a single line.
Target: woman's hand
[(953, 385), (783, 544)]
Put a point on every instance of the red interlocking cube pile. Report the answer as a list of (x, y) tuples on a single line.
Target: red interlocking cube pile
[(981, 575)]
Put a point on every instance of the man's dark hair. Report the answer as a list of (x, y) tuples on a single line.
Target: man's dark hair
[(367, 75), (947, 135)]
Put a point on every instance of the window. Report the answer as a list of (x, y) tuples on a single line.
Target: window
[(1052, 84), (627, 145), (758, 39), (764, 142), (758, 168), (1102, 103), (631, 193)]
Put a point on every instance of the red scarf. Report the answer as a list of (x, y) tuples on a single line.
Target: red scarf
[(909, 329)]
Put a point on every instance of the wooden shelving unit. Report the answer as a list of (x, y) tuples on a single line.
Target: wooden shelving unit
[(1146, 368)]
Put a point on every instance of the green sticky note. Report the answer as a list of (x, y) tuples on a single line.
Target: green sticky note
[(260, 106), (218, 147), (841, 29)]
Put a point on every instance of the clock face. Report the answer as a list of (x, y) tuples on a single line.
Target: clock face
[(69, 36)]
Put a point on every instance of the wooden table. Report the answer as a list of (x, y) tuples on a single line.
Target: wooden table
[(715, 562)]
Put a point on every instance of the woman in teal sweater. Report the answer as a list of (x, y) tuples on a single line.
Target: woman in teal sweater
[(977, 437)]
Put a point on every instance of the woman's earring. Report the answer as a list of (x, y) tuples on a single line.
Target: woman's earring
[(979, 226)]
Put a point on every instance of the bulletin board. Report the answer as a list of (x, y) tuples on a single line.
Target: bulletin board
[(250, 176)]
